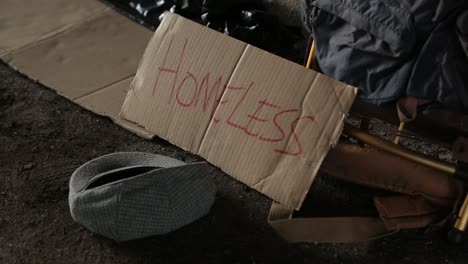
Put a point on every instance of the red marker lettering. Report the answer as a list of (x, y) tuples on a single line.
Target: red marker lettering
[(254, 116), (210, 95), (218, 102), (169, 70), (189, 76), (229, 121), (278, 126), (296, 137), (189, 90)]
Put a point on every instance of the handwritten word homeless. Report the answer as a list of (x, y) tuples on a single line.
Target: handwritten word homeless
[(205, 93)]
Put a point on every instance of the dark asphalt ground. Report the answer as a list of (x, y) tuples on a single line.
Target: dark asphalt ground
[(44, 137)]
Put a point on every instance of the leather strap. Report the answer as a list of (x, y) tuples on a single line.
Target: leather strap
[(326, 229)]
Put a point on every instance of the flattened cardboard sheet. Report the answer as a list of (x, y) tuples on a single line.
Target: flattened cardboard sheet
[(82, 49), (26, 22), (264, 120), (87, 58)]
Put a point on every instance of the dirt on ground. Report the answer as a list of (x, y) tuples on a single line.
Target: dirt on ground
[(44, 138)]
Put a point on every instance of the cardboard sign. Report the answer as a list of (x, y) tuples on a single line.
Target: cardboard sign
[(264, 120)]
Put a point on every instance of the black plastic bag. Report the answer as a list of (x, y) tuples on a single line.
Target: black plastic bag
[(150, 12), (245, 20)]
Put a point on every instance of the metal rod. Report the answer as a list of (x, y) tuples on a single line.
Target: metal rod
[(400, 128), (462, 220), (311, 57), (398, 150)]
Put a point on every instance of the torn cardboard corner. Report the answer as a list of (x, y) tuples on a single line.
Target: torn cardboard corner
[(264, 120)]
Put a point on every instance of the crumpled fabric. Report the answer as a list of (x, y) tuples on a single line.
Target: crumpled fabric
[(394, 48)]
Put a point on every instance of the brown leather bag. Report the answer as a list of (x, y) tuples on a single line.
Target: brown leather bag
[(419, 197)]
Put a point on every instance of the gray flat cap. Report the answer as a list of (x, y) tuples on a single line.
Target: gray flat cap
[(130, 195)]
